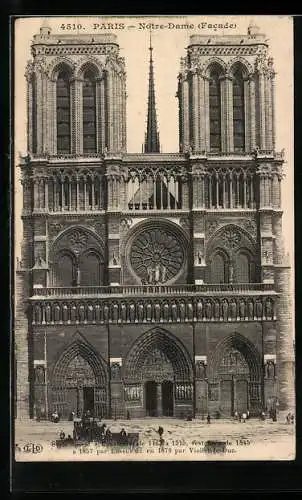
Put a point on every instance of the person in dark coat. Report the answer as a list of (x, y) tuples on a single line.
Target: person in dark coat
[(209, 418), (160, 431)]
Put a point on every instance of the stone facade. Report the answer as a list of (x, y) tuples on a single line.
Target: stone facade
[(152, 284)]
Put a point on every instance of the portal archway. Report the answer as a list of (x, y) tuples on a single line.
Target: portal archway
[(160, 367), (79, 382), (235, 377)]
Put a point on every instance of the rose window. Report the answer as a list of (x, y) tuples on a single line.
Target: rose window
[(156, 256)]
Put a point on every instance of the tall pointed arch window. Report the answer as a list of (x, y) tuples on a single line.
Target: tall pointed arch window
[(238, 110), (89, 112), (215, 110), (63, 112)]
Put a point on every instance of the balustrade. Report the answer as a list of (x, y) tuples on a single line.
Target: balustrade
[(137, 290)]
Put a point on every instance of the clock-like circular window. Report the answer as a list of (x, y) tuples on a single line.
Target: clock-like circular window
[(157, 255)]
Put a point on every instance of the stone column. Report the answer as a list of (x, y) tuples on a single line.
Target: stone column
[(273, 101), (195, 112), (76, 89), (202, 113), (110, 113), (30, 103), (247, 121), (227, 139), (268, 113), (39, 113), (207, 113), (252, 101), (262, 111), (185, 111), (159, 406)]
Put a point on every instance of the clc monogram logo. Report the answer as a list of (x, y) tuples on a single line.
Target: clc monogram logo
[(32, 448)]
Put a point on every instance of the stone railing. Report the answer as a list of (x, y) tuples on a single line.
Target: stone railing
[(149, 290)]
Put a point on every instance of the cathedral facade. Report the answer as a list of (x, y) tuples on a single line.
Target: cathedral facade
[(152, 284)]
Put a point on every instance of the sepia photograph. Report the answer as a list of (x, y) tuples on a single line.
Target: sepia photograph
[(154, 238)]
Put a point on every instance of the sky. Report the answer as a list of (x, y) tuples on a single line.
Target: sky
[(169, 45)]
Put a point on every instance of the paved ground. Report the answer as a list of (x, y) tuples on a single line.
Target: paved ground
[(253, 440)]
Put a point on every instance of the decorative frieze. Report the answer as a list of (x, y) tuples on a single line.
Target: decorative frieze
[(219, 309)]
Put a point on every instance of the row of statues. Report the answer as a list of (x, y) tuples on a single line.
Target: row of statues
[(128, 312)]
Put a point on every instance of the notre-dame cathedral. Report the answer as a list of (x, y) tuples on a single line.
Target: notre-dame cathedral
[(152, 284)]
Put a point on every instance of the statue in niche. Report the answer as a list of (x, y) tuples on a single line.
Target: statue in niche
[(81, 312), (157, 311), (123, 312), (157, 274), (242, 309), (114, 260), (65, 313), (140, 312), (225, 310), (48, 313), (115, 312), (269, 309), (115, 371), (233, 309), (216, 309), (97, 312), (199, 258), (250, 309), (259, 309), (106, 313), (208, 309), (182, 312), (270, 369), (40, 374), (38, 314), (174, 311), (132, 312), (166, 311), (189, 311), (199, 309), (73, 312), (90, 312), (200, 370), (148, 311), (57, 312), (231, 272)]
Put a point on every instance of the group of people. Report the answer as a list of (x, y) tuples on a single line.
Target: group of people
[(242, 416)]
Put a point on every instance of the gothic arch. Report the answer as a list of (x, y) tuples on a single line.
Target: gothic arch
[(217, 237), (213, 61), (91, 64), (78, 243), (245, 347), (99, 244), (78, 347), (168, 344), (239, 62), (58, 65)]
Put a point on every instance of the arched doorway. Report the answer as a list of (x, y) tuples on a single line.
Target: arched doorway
[(235, 377), (160, 367), (78, 382)]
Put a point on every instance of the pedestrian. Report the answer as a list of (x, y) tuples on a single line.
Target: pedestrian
[(123, 433), (239, 417), (236, 415), (262, 415), (292, 418), (160, 431), (274, 415), (128, 415), (209, 418), (247, 414), (244, 415)]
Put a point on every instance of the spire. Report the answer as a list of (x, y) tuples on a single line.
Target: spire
[(152, 136)]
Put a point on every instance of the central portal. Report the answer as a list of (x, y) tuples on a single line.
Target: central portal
[(159, 398), (151, 402)]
